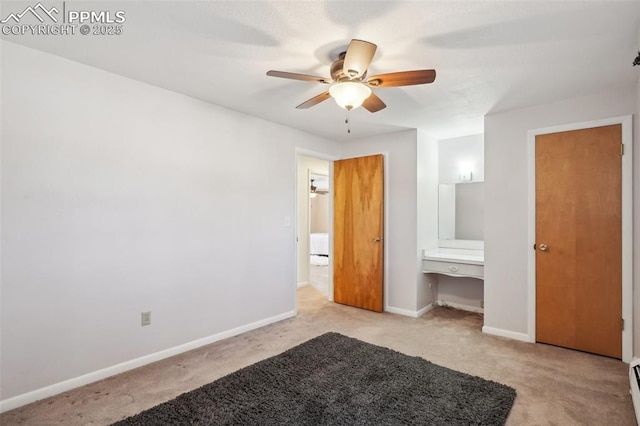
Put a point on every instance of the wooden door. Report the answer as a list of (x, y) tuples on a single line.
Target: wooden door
[(357, 234), (579, 240)]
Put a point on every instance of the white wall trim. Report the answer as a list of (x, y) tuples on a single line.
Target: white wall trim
[(331, 219), (627, 224), (407, 312), (303, 284), (461, 306), (309, 153), (330, 159), (430, 306), (385, 233), (424, 310), (506, 333), (38, 394)]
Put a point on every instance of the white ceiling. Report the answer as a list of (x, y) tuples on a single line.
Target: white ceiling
[(489, 55)]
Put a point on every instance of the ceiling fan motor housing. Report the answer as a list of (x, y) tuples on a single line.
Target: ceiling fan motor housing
[(337, 71)]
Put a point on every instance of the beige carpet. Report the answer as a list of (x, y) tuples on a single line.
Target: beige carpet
[(319, 278), (555, 386)]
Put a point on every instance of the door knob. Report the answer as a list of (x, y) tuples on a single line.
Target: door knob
[(543, 247), (377, 239)]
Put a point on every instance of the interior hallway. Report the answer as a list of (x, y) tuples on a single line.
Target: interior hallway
[(554, 385), (319, 278)]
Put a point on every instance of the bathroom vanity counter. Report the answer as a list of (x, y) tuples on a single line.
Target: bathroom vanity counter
[(454, 262)]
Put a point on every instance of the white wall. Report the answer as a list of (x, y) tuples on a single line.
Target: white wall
[(427, 198), (119, 197), (400, 150), (319, 214), (456, 152), (506, 246)]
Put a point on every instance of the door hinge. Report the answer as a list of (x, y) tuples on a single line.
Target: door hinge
[(621, 149), (622, 323)]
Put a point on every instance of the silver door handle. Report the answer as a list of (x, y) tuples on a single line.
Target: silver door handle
[(377, 240), (543, 247)]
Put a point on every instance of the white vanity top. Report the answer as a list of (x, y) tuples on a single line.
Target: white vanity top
[(453, 255)]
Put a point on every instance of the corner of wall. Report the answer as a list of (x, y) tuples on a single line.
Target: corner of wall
[(636, 220), (427, 215)]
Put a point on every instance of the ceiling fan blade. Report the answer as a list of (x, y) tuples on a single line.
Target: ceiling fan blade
[(373, 103), (314, 101), (296, 76), (405, 78), (358, 57)]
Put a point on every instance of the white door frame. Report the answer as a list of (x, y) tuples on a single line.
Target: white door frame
[(330, 159), (627, 223)]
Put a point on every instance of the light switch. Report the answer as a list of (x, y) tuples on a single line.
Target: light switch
[(465, 176)]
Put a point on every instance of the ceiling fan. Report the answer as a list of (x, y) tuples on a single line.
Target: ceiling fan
[(350, 86), (313, 189)]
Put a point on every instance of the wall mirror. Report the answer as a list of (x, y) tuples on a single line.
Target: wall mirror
[(461, 211)]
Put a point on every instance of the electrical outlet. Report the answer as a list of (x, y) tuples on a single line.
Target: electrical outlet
[(145, 318)]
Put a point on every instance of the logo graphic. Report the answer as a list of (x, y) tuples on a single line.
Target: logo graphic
[(34, 11), (68, 23)]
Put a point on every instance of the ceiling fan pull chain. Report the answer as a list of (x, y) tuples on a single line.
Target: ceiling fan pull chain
[(346, 121)]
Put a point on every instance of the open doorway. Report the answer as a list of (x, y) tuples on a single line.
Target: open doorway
[(313, 224), (319, 232)]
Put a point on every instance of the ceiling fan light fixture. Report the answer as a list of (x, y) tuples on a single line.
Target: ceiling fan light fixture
[(312, 190), (349, 94)]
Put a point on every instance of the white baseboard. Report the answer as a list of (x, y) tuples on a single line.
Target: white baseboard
[(400, 311), (424, 310), (29, 397), (506, 333), (303, 284), (407, 312), (461, 306)]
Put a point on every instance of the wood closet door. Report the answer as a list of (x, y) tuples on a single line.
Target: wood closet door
[(358, 229), (579, 239)]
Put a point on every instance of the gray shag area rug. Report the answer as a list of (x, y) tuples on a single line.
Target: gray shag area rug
[(336, 380)]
